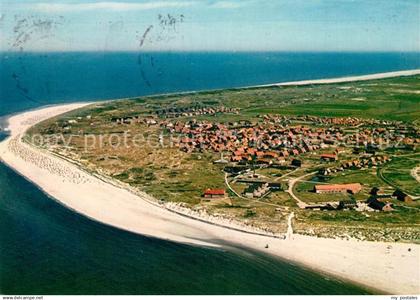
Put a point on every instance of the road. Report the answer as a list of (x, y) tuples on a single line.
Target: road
[(292, 182), (287, 174), (416, 173), (382, 177), (230, 188)]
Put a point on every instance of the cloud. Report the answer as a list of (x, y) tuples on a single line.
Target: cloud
[(112, 6)]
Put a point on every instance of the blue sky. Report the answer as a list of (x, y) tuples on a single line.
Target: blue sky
[(238, 25)]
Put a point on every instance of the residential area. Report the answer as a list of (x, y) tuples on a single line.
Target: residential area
[(328, 146)]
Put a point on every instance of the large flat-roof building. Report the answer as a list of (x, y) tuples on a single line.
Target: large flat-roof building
[(351, 188)]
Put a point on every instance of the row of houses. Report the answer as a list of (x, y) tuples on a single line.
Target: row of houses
[(356, 164), (349, 121), (256, 190), (138, 119), (191, 111), (379, 204), (368, 131), (366, 162), (286, 141), (266, 144), (342, 121), (397, 194), (377, 200), (380, 201)]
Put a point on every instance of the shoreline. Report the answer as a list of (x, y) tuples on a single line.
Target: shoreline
[(302, 82), (173, 207), (345, 79), (380, 266)]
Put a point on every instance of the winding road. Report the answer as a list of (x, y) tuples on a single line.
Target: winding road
[(292, 182), (416, 173)]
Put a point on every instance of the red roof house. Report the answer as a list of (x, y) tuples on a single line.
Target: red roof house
[(214, 193)]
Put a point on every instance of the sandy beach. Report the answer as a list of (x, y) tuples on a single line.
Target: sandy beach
[(388, 267), (348, 78)]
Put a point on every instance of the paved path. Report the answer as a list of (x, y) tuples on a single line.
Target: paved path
[(289, 233), (287, 174), (231, 189), (292, 183), (382, 177), (416, 173)]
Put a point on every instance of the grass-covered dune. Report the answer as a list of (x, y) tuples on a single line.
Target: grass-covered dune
[(385, 99)]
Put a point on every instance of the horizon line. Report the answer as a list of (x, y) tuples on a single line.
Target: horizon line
[(210, 51)]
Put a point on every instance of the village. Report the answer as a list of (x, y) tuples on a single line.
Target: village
[(257, 155)]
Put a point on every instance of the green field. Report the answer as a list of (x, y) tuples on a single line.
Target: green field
[(385, 99), (398, 173), (366, 177)]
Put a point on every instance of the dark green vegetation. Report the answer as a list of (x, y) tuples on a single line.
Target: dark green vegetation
[(385, 99), (398, 173), (388, 99)]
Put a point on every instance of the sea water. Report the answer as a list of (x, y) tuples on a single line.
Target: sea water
[(29, 80)]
